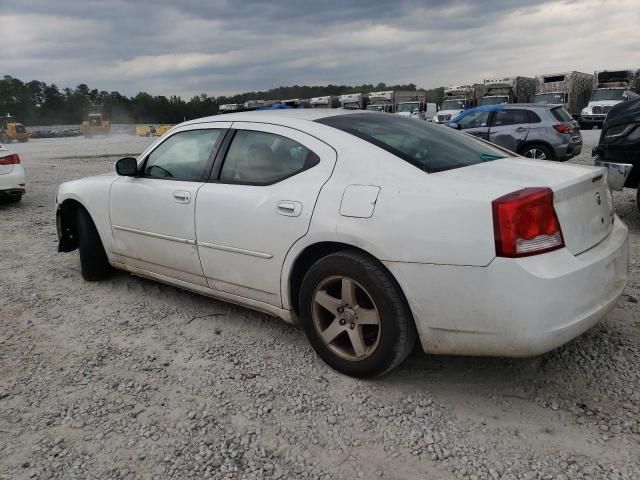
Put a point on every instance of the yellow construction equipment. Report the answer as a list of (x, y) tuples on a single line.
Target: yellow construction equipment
[(11, 129), (152, 131), (95, 125)]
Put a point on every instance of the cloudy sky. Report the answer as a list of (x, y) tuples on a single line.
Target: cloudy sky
[(187, 47)]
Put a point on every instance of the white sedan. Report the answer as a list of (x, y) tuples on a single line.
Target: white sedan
[(371, 230), (12, 180)]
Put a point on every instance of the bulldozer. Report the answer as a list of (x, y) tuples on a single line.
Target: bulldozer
[(95, 124), (11, 129)]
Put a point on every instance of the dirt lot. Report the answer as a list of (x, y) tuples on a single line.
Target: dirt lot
[(133, 379)]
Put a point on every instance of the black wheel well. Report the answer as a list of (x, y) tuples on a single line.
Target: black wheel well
[(315, 252), (68, 224), (538, 142)]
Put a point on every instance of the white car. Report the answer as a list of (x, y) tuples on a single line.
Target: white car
[(372, 230), (12, 179)]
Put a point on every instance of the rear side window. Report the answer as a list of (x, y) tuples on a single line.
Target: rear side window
[(509, 117), (262, 158), (561, 114), (432, 148), (533, 117)]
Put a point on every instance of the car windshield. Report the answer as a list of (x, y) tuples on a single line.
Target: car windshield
[(375, 108), (431, 148), (607, 94), (407, 107), (453, 105), (550, 97), (493, 100)]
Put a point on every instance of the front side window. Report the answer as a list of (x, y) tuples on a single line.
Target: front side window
[(430, 147), (474, 120), (509, 117), (183, 156), (261, 158)]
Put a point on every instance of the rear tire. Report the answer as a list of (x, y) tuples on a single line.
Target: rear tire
[(355, 315), (537, 151), (94, 263), (13, 199)]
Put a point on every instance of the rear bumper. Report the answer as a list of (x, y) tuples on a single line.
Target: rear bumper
[(515, 307), (569, 150), (13, 183)]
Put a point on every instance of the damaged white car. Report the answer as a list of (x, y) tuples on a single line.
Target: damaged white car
[(371, 230)]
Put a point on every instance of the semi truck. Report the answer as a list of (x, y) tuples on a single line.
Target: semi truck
[(328, 101), (353, 101), (382, 101), (608, 90), (569, 89), (457, 98), (507, 90), (412, 103)]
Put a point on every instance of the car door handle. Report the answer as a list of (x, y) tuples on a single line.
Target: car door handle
[(289, 208), (181, 196), (521, 129)]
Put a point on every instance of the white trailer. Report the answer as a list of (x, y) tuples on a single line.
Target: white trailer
[(382, 101), (328, 101), (353, 101)]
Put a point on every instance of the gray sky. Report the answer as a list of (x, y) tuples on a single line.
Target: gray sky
[(223, 46)]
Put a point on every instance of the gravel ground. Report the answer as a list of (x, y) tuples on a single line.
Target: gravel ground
[(133, 379)]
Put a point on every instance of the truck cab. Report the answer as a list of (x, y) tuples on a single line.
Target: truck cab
[(457, 99), (609, 87)]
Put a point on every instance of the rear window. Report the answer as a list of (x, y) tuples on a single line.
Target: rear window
[(561, 114), (431, 148)]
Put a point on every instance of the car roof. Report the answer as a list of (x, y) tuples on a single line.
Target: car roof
[(284, 116)]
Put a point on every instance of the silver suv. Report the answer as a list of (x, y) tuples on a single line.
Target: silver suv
[(532, 130)]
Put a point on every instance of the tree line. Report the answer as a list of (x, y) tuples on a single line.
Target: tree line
[(39, 103)]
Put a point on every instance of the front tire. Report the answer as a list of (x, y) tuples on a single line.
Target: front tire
[(355, 316), (94, 263)]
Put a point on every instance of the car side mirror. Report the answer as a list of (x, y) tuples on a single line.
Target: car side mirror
[(127, 167), (454, 125)]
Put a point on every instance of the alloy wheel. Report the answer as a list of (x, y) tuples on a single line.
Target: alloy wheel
[(346, 318), (535, 153)]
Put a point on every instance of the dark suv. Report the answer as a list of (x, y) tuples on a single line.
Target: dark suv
[(532, 130)]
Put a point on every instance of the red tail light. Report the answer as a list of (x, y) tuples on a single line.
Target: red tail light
[(13, 159), (562, 128), (525, 223)]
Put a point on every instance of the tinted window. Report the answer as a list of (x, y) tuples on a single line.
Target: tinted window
[(182, 156), (430, 147), (509, 117), (561, 114), (474, 120), (533, 117), (262, 158)]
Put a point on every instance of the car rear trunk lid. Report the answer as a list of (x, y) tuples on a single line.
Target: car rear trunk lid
[(581, 196)]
